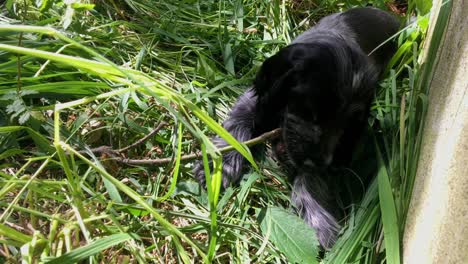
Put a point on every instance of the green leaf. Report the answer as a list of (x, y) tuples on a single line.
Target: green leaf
[(45, 5), (228, 57), (175, 173), (41, 142), (188, 188), (389, 214), (81, 6), (135, 211), (290, 234), (9, 5), (112, 190), (90, 250), (423, 6), (11, 233), (11, 152), (70, 88)]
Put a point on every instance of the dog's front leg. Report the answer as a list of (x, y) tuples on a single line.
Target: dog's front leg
[(240, 125), (310, 196)]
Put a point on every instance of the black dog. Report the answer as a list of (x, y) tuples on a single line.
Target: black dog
[(318, 90)]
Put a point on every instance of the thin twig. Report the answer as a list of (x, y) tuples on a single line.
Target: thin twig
[(262, 138), (113, 152), (101, 150), (143, 139)]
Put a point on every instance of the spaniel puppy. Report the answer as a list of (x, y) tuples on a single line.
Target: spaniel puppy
[(318, 90)]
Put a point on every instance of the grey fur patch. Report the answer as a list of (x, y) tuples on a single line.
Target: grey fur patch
[(240, 125), (308, 195)]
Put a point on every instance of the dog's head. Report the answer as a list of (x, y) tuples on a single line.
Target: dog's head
[(321, 90)]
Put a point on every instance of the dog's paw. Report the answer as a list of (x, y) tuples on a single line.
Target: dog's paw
[(199, 173), (309, 197), (326, 229), (231, 170)]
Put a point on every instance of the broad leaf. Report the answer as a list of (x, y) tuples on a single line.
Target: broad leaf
[(291, 235)]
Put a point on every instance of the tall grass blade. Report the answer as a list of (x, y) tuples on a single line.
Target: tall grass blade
[(389, 214), (90, 250)]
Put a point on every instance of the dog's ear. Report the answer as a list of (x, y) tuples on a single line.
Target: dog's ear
[(271, 86), (280, 68), (281, 71), (272, 71)]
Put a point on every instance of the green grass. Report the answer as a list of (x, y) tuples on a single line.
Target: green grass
[(77, 77)]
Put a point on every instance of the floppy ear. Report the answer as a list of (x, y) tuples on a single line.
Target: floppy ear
[(272, 85), (277, 72), (273, 71)]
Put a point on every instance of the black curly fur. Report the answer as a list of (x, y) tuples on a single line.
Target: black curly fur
[(318, 90)]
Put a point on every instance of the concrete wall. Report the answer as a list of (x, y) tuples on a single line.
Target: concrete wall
[(437, 224)]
